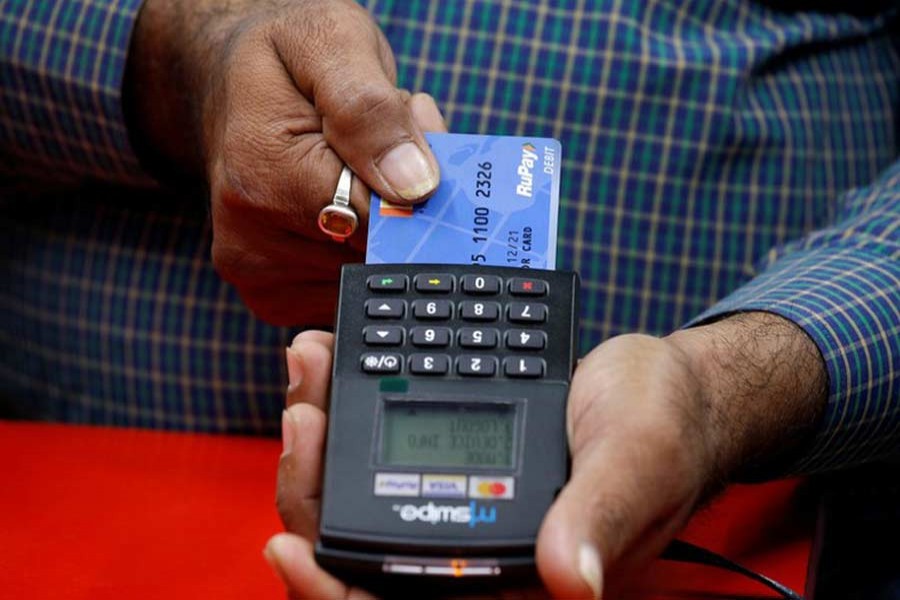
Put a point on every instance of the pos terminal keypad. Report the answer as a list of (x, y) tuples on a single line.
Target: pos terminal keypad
[(462, 322)]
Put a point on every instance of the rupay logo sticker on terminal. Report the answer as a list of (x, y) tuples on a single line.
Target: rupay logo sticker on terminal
[(497, 204)]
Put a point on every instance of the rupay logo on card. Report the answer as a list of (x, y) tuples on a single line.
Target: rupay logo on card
[(526, 170), (497, 204)]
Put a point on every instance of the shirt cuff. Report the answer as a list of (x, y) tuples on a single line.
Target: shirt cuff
[(68, 59), (846, 297)]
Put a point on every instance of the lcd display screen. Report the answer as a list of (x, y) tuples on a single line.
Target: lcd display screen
[(448, 434)]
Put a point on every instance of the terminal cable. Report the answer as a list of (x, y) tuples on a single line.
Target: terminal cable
[(681, 551)]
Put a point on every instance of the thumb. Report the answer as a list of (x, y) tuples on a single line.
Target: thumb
[(622, 505), (372, 129), (569, 558), (640, 463), (593, 521), (365, 118)]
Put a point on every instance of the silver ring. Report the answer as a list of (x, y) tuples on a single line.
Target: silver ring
[(338, 219)]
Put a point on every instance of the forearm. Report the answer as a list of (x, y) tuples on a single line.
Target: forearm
[(841, 287)]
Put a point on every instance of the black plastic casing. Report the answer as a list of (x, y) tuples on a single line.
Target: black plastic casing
[(359, 531)]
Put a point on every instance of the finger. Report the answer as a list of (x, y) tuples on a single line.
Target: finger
[(299, 485), (265, 230), (426, 113), (273, 170), (292, 559), (315, 336), (292, 303), (341, 66), (309, 368), (247, 251)]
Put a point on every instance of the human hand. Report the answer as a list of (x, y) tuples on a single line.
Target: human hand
[(300, 477), (267, 99), (655, 427)]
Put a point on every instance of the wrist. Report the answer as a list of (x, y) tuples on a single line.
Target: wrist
[(167, 82), (764, 382)]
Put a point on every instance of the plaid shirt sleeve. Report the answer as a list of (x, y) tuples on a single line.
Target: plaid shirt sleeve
[(842, 286), (62, 64)]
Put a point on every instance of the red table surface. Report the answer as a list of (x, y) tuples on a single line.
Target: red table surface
[(94, 512)]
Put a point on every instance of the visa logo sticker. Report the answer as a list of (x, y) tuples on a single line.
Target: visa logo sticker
[(497, 204), (444, 486)]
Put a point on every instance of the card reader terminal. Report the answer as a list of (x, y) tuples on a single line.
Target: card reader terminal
[(446, 441)]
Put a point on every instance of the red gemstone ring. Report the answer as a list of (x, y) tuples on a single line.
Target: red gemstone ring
[(338, 219)]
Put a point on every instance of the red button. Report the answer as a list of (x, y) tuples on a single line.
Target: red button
[(524, 286)]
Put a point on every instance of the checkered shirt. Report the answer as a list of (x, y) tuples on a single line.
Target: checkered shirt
[(718, 156)]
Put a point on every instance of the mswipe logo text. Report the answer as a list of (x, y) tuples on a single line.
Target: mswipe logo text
[(471, 514)]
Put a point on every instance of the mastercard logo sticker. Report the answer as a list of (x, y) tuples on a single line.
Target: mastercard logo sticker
[(496, 488), (491, 489)]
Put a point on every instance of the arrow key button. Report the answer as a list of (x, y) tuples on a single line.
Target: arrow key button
[(387, 335), (385, 308), (440, 283)]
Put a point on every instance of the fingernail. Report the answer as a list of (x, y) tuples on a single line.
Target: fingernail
[(287, 433), (589, 567), (408, 171), (294, 368)]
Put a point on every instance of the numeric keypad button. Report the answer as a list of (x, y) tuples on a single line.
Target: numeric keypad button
[(430, 336), (527, 312), (470, 365), (385, 308), (429, 364), (383, 335), (474, 310), (432, 309), (526, 339), (474, 337), (481, 284), (523, 366)]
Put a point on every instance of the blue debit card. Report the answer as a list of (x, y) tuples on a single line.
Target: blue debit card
[(497, 204)]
